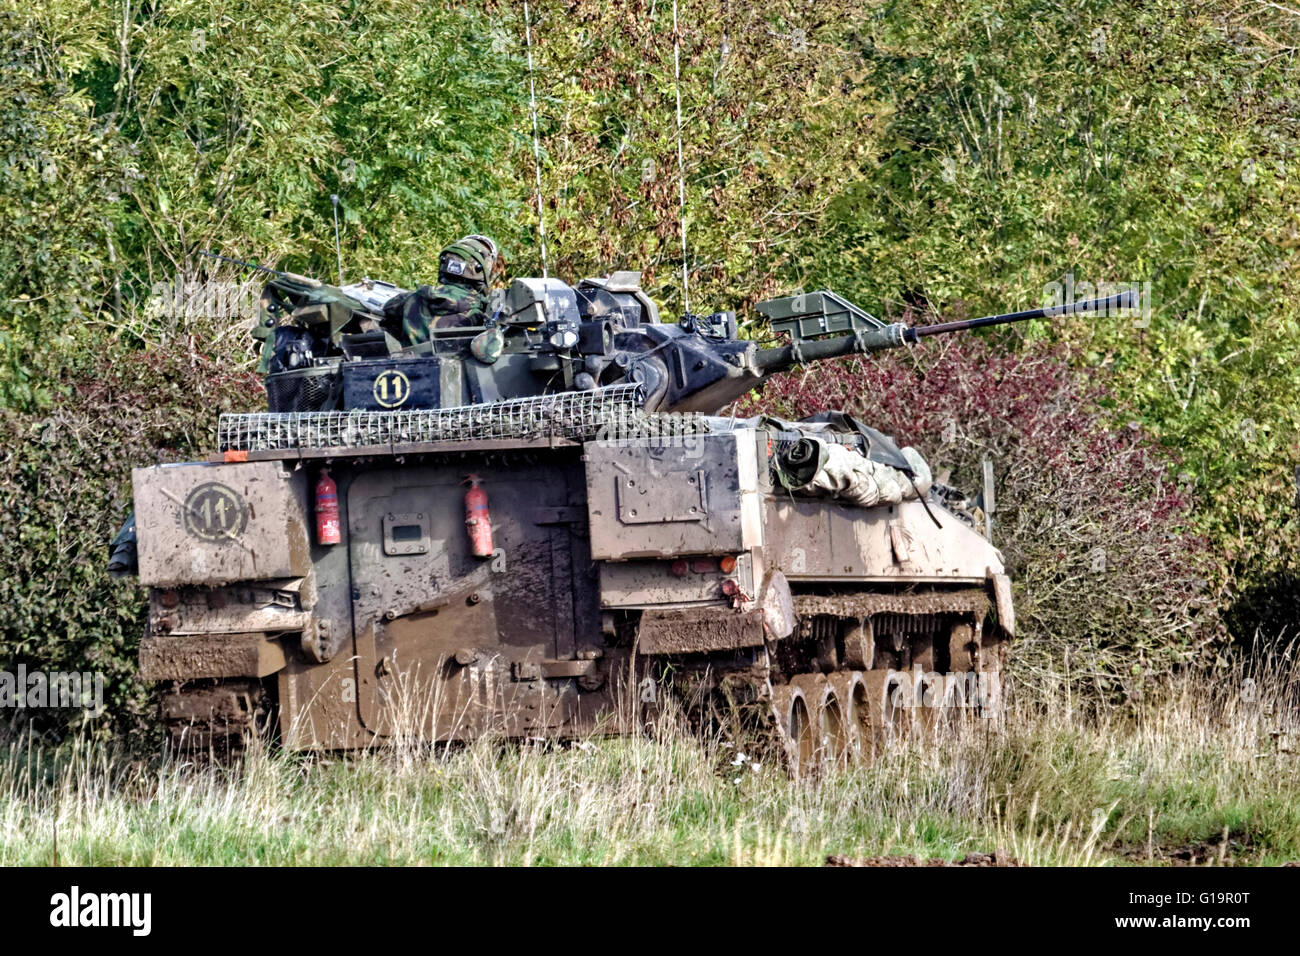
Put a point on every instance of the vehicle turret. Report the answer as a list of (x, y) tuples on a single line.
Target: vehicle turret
[(332, 349)]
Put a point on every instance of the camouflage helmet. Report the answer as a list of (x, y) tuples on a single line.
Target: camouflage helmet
[(475, 261)]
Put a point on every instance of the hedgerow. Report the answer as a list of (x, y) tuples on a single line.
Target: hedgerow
[(65, 489)]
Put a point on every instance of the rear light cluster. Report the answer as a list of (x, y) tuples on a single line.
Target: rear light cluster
[(682, 567)]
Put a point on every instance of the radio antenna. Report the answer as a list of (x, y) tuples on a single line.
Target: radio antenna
[(338, 249), (681, 166), (537, 151)]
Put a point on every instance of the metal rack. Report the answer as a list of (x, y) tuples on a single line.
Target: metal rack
[(612, 413)]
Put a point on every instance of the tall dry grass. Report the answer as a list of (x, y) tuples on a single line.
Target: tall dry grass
[(1203, 770)]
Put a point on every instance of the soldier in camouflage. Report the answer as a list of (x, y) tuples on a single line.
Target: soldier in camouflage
[(467, 270)]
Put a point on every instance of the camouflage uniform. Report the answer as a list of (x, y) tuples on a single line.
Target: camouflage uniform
[(466, 271), (445, 306)]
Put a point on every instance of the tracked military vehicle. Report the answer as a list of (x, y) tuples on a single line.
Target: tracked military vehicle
[(546, 527)]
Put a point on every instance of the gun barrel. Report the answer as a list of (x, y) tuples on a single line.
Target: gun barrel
[(1122, 300), (768, 361)]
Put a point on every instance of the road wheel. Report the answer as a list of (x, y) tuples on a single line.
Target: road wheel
[(795, 727)]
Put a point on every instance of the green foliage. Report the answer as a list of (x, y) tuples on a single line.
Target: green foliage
[(1030, 142), (773, 121), (60, 172), (65, 487), (249, 118)]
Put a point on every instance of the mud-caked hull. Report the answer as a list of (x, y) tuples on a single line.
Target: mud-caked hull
[(622, 571)]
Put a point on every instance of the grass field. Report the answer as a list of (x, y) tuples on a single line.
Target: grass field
[(1203, 772)]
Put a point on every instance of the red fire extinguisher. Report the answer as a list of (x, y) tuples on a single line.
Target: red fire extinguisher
[(478, 520), (327, 509)]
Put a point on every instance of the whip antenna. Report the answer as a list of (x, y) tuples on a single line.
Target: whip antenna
[(537, 152), (681, 167), (338, 249)]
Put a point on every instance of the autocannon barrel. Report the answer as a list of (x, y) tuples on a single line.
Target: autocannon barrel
[(767, 361)]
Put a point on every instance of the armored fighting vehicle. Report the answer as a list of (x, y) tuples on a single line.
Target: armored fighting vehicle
[(546, 527)]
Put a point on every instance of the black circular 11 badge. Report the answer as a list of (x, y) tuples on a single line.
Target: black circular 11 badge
[(392, 388), (214, 512)]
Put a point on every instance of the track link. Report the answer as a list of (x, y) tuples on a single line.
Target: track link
[(220, 718), (861, 671)]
